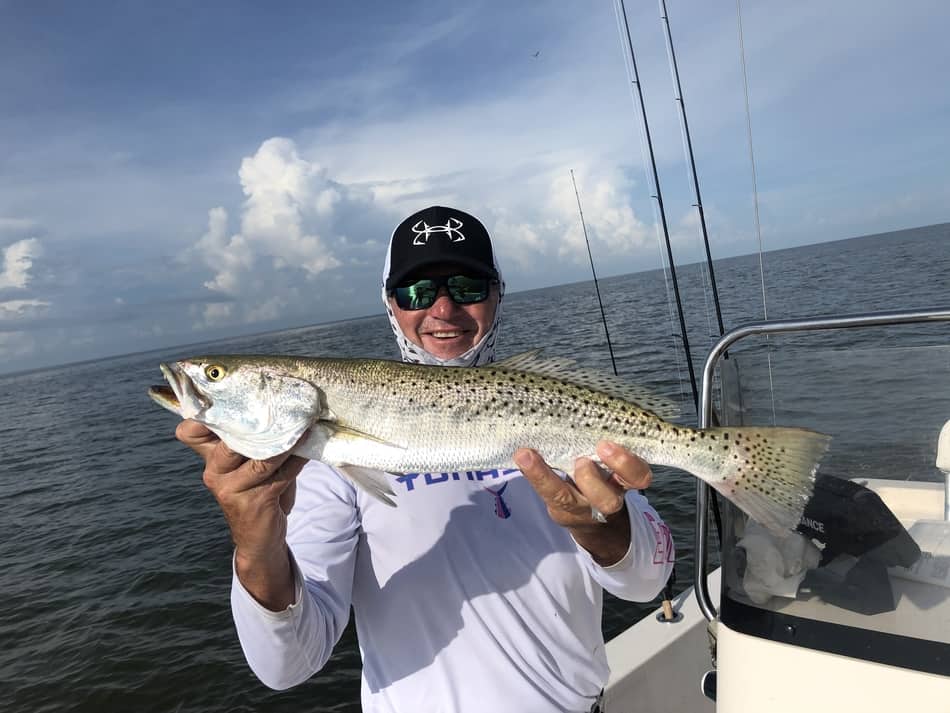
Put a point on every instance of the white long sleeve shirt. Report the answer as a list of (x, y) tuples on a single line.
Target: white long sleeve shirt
[(467, 596)]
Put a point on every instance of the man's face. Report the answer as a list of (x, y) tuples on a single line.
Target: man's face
[(446, 329)]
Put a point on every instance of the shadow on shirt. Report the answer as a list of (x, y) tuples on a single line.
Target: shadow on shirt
[(474, 575)]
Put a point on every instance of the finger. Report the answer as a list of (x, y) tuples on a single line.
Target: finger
[(221, 459), (233, 472), (288, 473), (196, 436), (288, 497), (565, 503), (629, 471), (555, 492), (292, 467), (252, 473), (597, 487)]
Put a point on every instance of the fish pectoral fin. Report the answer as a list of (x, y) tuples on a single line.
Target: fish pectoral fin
[(340, 431), (375, 482)]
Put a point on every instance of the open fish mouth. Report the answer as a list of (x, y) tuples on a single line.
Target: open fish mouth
[(165, 397), (180, 396)]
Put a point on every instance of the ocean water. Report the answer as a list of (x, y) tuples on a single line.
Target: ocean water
[(116, 561)]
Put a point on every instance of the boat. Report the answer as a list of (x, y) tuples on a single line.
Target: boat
[(852, 611)]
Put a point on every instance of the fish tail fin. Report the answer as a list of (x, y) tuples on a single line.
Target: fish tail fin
[(375, 482), (769, 472)]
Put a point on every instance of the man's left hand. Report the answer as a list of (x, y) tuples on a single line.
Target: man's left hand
[(569, 503)]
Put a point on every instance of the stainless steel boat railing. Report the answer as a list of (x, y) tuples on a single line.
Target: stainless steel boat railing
[(874, 319)]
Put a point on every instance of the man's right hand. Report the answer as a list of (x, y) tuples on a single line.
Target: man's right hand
[(255, 496)]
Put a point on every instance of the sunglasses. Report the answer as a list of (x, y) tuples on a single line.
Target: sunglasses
[(462, 289)]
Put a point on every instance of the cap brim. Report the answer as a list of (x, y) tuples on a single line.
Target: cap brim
[(472, 267)]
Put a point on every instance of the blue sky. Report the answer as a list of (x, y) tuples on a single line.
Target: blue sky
[(173, 172)]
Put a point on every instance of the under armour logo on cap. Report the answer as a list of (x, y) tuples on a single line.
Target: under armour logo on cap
[(434, 238), (423, 230)]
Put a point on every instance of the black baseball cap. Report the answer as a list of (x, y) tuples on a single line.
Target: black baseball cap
[(439, 235)]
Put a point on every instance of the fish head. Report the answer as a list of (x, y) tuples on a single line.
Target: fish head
[(257, 407)]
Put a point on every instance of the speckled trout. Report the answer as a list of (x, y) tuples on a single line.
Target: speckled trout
[(370, 418)]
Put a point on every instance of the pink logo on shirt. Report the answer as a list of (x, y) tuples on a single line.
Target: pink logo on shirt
[(664, 540)]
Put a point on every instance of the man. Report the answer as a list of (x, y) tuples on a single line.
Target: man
[(481, 591)]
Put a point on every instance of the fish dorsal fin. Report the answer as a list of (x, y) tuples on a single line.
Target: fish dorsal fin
[(535, 362), (566, 370)]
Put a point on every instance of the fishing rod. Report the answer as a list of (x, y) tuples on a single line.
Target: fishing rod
[(688, 146), (603, 315), (635, 80), (667, 614)]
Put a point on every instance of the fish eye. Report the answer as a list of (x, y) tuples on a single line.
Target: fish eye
[(215, 372)]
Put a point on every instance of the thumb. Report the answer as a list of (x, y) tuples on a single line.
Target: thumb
[(288, 473), (288, 497)]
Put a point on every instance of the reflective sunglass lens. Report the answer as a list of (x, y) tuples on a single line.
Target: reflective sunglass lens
[(421, 294), (467, 290)]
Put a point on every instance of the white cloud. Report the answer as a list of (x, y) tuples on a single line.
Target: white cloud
[(392, 191), (230, 257), (608, 213), (215, 313), (538, 230), (288, 234), (21, 309), (266, 310), (326, 200), (518, 243), (282, 189), (17, 261)]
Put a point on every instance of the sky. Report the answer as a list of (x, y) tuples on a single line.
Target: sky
[(174, 172)]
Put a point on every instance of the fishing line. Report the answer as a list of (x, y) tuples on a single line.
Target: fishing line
[(656, 222), (603, 315), (755, 197), (691, 162), (694, 180), (634, 76), (635, 80)]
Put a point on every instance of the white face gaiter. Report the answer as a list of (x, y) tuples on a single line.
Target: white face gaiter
[(481, 353)]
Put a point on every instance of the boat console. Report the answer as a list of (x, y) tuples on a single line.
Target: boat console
[(851, 611)]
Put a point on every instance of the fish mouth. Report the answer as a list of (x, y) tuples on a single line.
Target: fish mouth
[(164, 397), (180, 396)]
